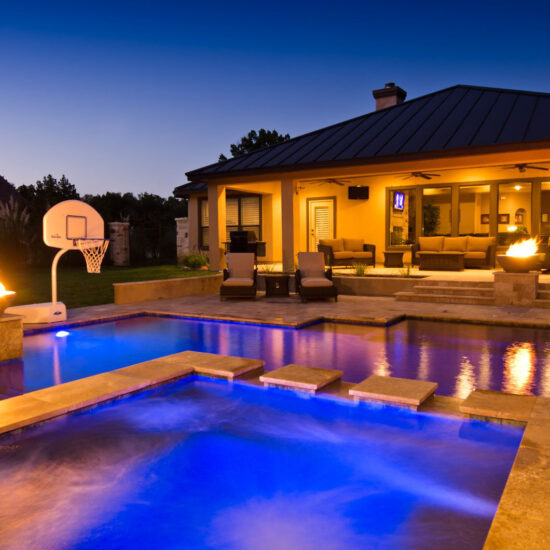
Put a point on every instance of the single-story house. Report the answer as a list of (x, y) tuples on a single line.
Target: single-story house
[(465, 160)]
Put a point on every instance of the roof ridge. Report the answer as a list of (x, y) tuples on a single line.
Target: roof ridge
[(501, 90)]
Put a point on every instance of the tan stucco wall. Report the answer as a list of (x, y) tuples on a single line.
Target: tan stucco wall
[(140, 291)]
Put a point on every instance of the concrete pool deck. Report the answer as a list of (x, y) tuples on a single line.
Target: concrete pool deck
[(291, 312)]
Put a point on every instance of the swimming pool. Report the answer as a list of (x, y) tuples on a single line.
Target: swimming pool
[(460, 357), (206, 464)]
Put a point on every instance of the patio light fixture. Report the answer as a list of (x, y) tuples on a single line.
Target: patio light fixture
[(6, 298)]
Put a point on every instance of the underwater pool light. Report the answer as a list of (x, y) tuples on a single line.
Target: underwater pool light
[(62, 334)]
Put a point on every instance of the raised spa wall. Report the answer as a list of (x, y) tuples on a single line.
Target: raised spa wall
[(11, 337)]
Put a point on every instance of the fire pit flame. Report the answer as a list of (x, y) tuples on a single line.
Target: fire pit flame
[(524, 249)]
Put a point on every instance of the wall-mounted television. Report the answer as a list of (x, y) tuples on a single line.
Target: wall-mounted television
[(358, 192), (398, 201)]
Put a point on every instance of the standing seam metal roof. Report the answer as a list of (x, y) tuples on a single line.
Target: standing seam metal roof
[(453, 118)]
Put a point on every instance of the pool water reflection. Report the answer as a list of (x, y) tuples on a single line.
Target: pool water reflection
[(460, 357)]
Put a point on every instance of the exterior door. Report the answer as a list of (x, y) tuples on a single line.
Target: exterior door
[(320, 221)]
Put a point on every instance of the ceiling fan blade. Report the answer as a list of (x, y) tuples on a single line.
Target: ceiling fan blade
[(538, 168), (425, 176)]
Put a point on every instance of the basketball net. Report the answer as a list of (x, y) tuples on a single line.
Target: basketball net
[(93, 250)]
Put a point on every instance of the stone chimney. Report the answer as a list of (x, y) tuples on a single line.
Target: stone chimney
[(389, 95)]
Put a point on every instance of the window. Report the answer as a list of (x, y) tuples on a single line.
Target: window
[(514, 212), (436, 211), (545, 208), (474, 210), (402, 216), (241, 214)]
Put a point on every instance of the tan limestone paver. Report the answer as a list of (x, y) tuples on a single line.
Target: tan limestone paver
[(159, 370), (400, 391), (224, 366), (497, 405), (23, 410), (301, 377)]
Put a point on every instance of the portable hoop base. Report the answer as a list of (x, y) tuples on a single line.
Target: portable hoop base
[(93, 251)]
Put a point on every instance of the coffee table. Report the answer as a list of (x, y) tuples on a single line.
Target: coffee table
[(441, 261)]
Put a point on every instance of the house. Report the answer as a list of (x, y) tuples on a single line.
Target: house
[(465, 160)]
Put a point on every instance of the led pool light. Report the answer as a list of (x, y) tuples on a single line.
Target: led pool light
[(62, 334)]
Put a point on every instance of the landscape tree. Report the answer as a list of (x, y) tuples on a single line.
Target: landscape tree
[(254, 141)]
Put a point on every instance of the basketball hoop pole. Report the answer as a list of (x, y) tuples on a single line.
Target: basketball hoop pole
[(54, 274)]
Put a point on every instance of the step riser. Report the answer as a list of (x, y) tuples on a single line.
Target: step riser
[(466, 291), (471, 284), (443, 299)]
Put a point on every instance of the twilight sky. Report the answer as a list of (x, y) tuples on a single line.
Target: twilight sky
[(129, 95)]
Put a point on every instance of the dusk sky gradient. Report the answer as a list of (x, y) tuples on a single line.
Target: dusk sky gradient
[(129, 95)]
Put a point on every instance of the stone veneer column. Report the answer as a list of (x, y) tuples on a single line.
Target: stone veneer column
[(182, 239), (515, 289), (287, 224), (119, 236), (11, 337)]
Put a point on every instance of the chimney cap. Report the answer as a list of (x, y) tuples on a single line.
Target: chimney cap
[(390, 89)]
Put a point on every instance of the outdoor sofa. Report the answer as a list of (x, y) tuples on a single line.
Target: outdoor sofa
[(312, 281), (240, 277), (346, 252), (438, 252)]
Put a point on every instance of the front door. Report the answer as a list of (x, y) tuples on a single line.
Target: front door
[(320, 221)]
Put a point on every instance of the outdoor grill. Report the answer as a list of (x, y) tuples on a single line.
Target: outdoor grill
[(246, 241)]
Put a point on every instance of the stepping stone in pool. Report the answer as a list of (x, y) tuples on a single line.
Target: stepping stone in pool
[(498, 405), (299, 377), (393, 391), (220, 366)]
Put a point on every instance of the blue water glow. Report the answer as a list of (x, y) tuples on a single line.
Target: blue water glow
[(206, 464)]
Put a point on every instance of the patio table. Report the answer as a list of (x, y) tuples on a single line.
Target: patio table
[(441, 261)]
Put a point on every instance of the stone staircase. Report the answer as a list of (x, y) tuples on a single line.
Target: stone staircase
[(543, 295), (452, 292)]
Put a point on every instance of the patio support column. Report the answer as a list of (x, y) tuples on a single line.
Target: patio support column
[(287, 223), (493, 209), (455, 210), (216, 225)]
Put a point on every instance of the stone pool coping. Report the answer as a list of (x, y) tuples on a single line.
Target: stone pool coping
[(521, 517)]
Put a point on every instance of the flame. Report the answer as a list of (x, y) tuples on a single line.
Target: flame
[(523, 249), (4, 292)]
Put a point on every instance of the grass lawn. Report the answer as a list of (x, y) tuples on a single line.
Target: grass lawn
[(76, 287)]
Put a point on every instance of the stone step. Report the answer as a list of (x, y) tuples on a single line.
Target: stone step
[(543, 293), (443, 298), (455, 283), (544, 286), (541, 303), (455, 290)]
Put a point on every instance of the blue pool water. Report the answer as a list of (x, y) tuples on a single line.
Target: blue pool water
[(459, 357), (209, 465)]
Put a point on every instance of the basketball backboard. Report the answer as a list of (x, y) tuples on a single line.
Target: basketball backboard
[(68, 221)]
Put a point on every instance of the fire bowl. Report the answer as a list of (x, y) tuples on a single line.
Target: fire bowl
[(519, 264), (6, 301)]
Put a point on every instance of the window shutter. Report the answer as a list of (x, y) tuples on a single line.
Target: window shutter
[(322, 227), (204, 214), (232, 211), (250, 211)]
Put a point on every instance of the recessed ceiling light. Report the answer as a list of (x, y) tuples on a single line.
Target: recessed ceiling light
[(517, 187)]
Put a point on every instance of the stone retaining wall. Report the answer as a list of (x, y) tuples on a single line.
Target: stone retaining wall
[(140, 291), (374, 286)]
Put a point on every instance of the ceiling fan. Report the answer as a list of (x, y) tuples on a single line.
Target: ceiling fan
[(523, 166), (335, 181), (421, 175)]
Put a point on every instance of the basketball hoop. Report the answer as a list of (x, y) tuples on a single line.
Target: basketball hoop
[(93, 251)]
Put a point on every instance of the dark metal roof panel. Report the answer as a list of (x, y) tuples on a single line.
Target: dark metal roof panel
[(539, 127), (453, 122), (472, 121), (495, 120), (518, 120), (385, 117), (417, 141)]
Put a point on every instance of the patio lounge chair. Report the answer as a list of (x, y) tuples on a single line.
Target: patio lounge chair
[(240, 277), (312, 281)]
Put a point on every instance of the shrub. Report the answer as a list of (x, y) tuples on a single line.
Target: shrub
[(196, 260), (360, 269)]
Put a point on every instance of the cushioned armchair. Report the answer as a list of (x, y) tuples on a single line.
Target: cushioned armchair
[(478, 251), (346, 252), (312, 281), (240, 277)]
